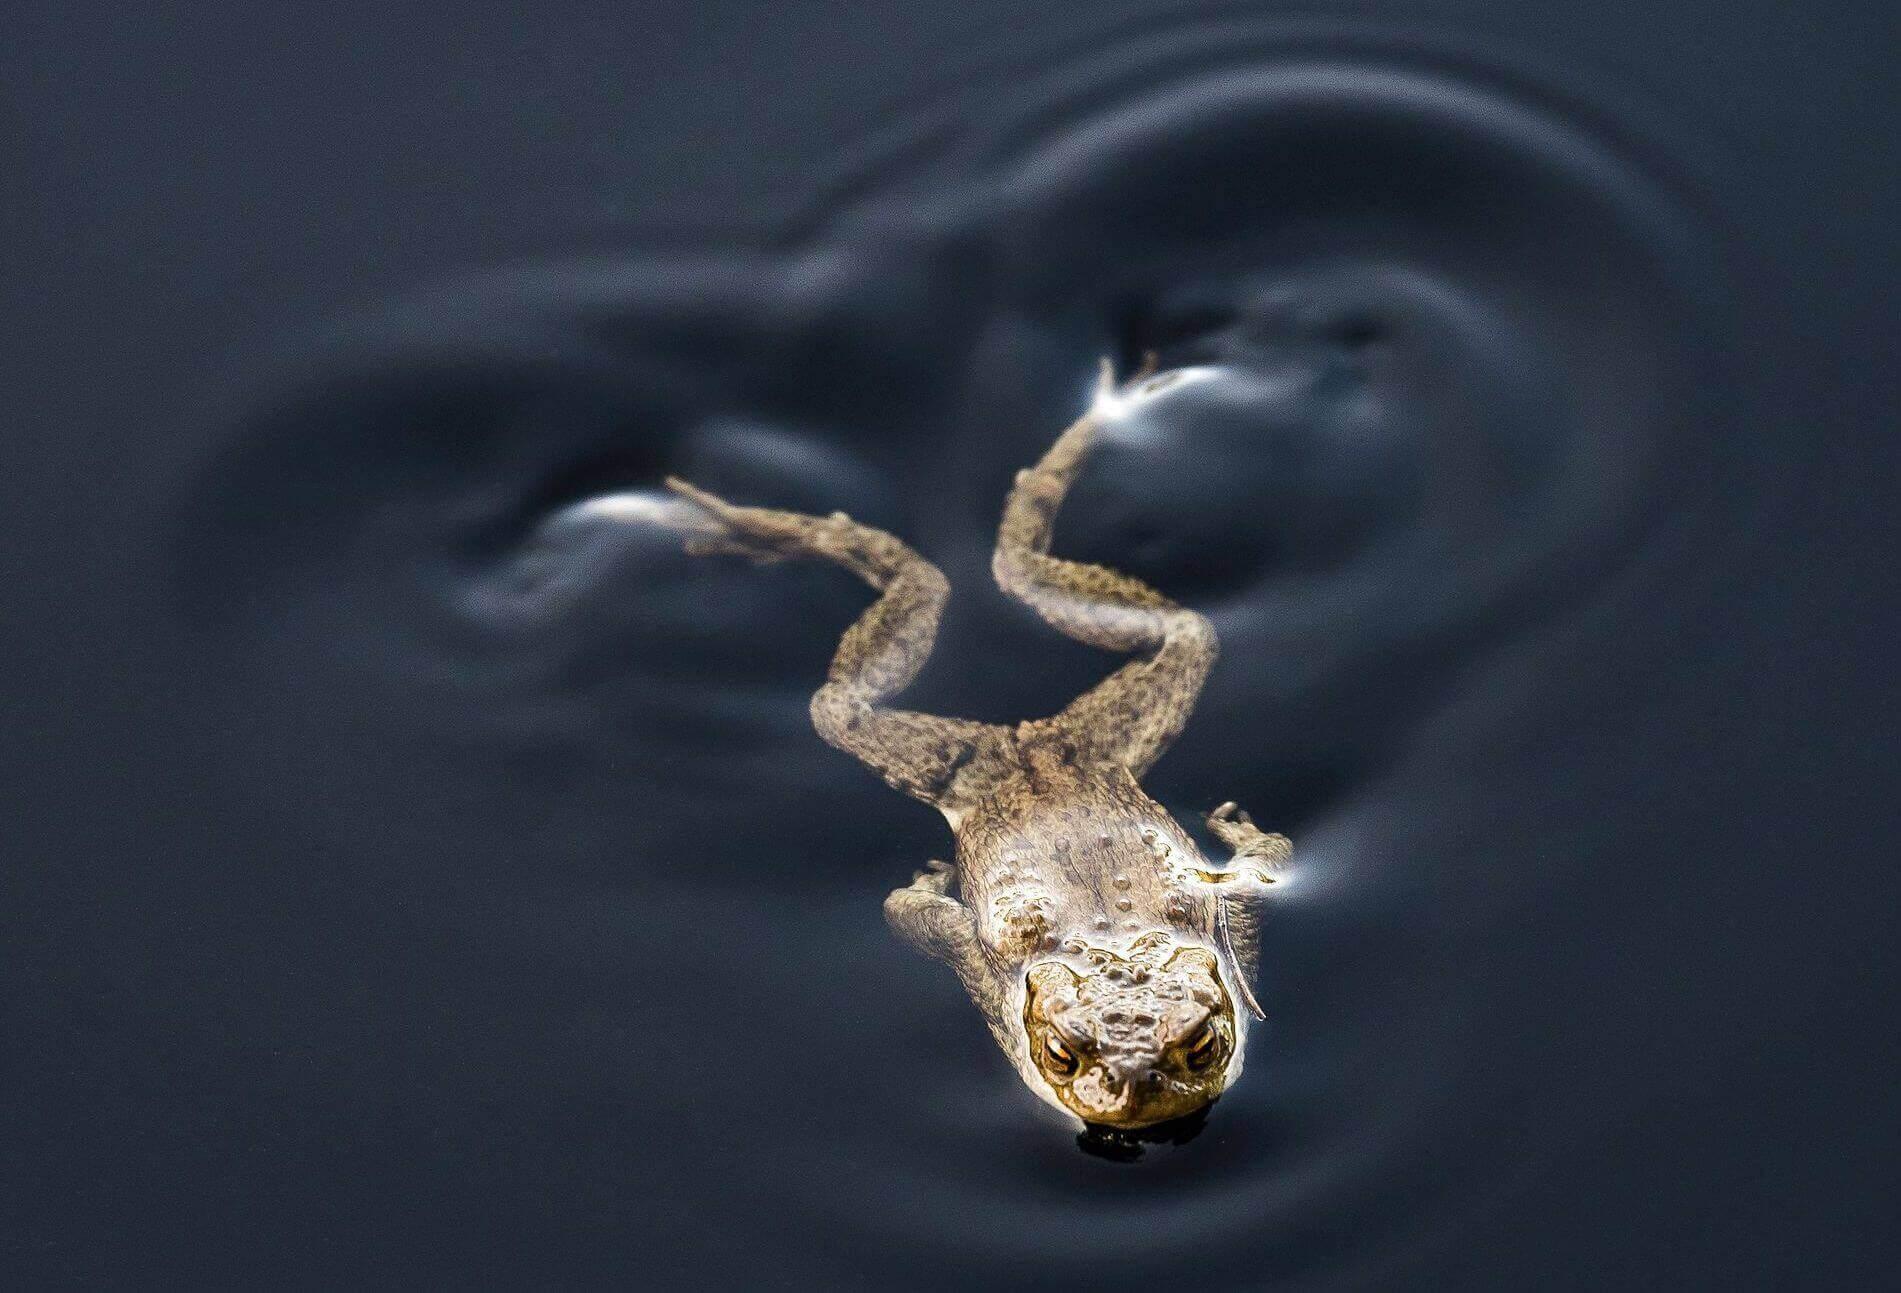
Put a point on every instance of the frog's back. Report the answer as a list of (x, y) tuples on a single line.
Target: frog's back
[(1063, 849)]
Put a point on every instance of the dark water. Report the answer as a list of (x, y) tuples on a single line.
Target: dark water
[(426, 881)]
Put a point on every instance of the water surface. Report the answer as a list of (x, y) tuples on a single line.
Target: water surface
[(539, 935)]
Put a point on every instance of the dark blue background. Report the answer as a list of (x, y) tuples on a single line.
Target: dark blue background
[(314, 979)]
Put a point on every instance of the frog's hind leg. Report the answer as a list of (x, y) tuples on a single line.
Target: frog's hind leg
[(942, 761), (1132, 716)]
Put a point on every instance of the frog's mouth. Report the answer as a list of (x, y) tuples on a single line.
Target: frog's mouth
[(1137, 1097)]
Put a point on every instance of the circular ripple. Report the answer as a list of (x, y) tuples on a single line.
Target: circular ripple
[(1441, 351), (1444, 338), (1431, 356)]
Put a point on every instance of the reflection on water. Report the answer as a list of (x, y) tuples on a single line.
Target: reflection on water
[(1127, 1145), (1449, 337)]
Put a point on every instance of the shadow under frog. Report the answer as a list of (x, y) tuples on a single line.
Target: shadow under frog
[(1106, 954)]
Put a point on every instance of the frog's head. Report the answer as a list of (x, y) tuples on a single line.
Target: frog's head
[(1131, 1042)]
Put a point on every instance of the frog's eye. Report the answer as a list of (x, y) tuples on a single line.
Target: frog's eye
[(1058, 1057), (1202, 1050)]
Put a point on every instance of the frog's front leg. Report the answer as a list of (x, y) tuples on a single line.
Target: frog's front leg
[(1240, 889), (924, 915), (1257, 853)]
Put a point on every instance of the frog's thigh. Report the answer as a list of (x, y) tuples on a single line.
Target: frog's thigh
[(946, 762), (1131, 717)]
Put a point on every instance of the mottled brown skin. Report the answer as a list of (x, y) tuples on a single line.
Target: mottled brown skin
[(1104, 951)]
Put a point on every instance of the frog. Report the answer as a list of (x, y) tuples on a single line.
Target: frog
[(1112, 961)]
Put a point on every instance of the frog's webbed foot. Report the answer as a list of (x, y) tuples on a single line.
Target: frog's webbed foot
[(714, 527)]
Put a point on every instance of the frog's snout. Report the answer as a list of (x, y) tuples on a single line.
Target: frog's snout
[(1117, 1094)]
